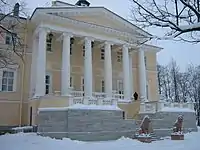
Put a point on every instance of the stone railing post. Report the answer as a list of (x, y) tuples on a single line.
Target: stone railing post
[(142, 107), (71, 100), (161, 105)]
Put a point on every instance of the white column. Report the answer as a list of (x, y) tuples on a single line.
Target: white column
[(108, 70), (41, 63), (65, 75), (126, 74), (88, 69), (131, 73), (33, 65), (142, 76)]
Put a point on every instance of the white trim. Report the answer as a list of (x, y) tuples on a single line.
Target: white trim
[(15, 80), (74, 11), (11, 101)]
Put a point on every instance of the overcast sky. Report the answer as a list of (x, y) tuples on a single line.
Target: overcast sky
[(183, 53)]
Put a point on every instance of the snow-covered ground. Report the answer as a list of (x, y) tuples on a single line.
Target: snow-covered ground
[(31, 141)]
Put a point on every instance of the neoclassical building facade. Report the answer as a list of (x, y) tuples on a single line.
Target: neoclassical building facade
[(78, 54)]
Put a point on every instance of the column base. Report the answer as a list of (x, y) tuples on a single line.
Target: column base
[(143, 99)]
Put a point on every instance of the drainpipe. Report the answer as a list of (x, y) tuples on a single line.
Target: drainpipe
[(23, 74)]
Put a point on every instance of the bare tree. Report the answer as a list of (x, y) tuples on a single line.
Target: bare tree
[(181, 18), (12, 29)]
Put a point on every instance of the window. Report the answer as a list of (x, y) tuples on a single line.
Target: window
[(102, 86), (48, 84), (120, 87), (71, 45), (145, 60), (8, 39), (102, 53), (123, 115), (8, 81), (71, 48), (71, 82), (119, 56), (82, 84), (147, 91), (83, 50), (49, 42)]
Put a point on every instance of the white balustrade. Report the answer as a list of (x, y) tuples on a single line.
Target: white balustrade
[(152, 107), (77, 100), (77, 93), (99, 95), (148, 107)]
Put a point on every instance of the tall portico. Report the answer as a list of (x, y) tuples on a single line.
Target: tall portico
[(88, 73)]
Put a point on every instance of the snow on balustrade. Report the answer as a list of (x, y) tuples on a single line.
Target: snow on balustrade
[(92, 101), (152, 107)]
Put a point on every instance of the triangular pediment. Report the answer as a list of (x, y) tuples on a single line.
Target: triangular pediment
[(94, 15)]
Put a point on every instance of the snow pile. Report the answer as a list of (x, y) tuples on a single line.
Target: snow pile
[(31, 141), (22, 128), (176, 109)]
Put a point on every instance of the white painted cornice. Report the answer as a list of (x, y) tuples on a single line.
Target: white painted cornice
[(91, 11)]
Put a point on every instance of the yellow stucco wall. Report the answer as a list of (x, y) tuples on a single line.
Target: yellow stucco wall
[(10, 101)]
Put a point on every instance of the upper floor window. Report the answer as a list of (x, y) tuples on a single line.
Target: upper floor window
[(8, 81), (119, 56), (71, 45), (83, 50), (102, 54), (49, 41)]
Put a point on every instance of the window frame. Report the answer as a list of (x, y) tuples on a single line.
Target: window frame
[(102, 86), (83, 50), (49, 42), (102, 54), (14, 85), (119, 56), (50, 83), (145, 61)]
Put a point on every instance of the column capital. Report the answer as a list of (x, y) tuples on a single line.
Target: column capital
[(108, 42), (125, 46), (89, 38), (41, 29), (65, 34)]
